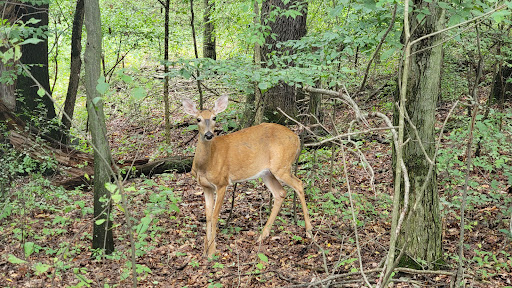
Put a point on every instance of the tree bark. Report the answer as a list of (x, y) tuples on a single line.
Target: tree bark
[(7, 70), (178, 164), (422, 228), (194, 38), (36, 57), (76, 65), (254, 104), (102, 233), (282, 29), (7, 96), (502, 89), (209, 49), (167, 7)]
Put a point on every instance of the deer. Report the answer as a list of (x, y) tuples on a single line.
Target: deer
[(265, 151)]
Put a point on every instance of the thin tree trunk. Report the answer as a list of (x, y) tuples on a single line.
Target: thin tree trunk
[(209, 50), (195, 52), (166, 71), (76, 65), (259, 100), (102, 231)]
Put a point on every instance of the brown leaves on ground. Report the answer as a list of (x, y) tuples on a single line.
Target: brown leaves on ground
[(169, 249)]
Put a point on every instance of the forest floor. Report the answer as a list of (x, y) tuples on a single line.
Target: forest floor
[(169, 212)]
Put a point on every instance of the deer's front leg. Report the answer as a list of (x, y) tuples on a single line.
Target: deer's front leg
[(209, 240), (221, 192)]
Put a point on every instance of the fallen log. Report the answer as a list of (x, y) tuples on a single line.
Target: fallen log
[(178, 164), (76, 167)]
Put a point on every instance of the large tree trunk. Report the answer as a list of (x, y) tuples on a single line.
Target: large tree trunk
[(422, 229), (21, 95), (502, 88), (7, 70), (102, 232), (284, 29), (209, 50), (36, 57), (76, 64)]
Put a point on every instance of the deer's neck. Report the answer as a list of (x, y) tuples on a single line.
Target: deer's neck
[(202, 156)]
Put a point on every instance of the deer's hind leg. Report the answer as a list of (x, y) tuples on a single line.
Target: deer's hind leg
[(291, 180), (279, 194)]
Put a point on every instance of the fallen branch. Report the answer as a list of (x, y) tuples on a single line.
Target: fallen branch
[(179, 164)]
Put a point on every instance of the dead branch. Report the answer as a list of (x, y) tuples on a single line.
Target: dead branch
[(180, 164)]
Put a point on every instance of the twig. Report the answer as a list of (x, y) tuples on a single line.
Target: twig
[(460, 266), (354, 221), (398, 147), (232, 207), (346, 135), (376, 270)]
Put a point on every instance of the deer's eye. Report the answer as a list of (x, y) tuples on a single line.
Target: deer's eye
[(214, 118), (198, 119)]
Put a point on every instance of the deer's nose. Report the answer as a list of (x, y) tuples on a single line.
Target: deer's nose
[(208, 135)]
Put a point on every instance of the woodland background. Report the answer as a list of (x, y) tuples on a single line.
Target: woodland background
[(101, 198)]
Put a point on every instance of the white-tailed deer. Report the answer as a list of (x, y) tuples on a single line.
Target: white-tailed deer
[(264, 151)]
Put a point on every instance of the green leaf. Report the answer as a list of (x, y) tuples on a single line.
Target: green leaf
[(28, 248), (185, 74), (500, 15), (41, 91), (111, 187), (102, 86), (8, 55), (15, 260), (174, 207), (32, 21), (17, 52), (41, 268), (388, 53), (126, 78), (263, 257), (116, 198), (138, 93), (444, 5), (31, 41), (99, 221), (96, 100), (264, 86)]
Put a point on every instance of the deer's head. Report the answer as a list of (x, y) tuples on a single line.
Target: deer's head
[(206, 118)]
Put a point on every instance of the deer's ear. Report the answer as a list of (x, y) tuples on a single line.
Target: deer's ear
[(189, 107), (221, 104)]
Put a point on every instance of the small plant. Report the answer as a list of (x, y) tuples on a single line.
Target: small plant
[(193, 263)]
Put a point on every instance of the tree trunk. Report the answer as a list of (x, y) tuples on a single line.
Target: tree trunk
[(102, 232), (76, 64), (259, 103), (254, 104), (422, 228), (36, 57), (166, 71), (502, 88), (209, 50), (7, 96), (192, 25), (282, 29), (7, 70)]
